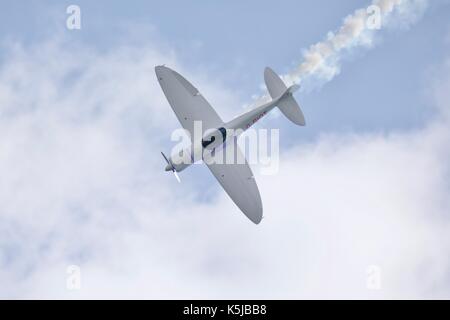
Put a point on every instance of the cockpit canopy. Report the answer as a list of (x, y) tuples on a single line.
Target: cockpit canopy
[(214, 138)]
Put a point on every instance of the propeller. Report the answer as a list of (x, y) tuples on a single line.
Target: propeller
[(171, 167)]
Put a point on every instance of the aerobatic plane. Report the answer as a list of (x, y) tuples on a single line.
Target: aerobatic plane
[(191, 109)]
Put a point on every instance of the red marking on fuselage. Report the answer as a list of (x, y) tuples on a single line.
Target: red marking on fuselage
[(256, 119)]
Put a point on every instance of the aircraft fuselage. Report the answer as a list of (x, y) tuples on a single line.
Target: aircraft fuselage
[(216, 138)]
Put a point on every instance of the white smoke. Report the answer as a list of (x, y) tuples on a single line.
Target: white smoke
[(321, 62)]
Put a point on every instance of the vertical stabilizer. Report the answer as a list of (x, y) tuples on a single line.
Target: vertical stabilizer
[(286, 102)]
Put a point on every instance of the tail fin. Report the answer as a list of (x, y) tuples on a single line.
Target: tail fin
[(285, 101)]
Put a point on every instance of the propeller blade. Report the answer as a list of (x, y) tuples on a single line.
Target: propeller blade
[(173, 169), (165, 158), (176, 176)]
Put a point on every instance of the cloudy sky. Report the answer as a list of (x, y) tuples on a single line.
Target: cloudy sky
[(360, 206)]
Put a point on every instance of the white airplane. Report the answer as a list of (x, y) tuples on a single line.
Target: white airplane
[(190, 106)]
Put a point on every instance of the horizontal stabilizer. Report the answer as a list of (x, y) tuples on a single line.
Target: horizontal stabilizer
[(286, 102)]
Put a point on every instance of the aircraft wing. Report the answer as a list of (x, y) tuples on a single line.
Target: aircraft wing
[(238, 181), (186, 101)]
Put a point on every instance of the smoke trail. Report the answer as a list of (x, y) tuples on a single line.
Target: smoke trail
[(321, 62)]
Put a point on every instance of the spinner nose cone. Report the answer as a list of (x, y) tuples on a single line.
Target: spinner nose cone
[(168, 168)]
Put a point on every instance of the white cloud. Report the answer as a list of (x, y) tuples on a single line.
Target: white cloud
[(83, 183)]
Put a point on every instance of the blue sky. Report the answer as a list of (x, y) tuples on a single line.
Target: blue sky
[(82, 121), (234, 41)]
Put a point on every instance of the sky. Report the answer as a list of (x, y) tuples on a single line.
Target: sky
[(362, 192)]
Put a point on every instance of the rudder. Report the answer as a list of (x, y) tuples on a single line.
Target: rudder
[(286, 102)]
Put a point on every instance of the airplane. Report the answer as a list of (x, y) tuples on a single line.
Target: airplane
[(190, 107)]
